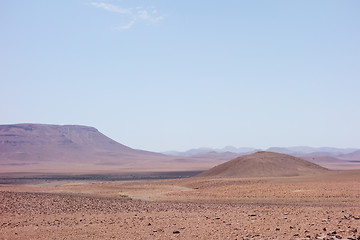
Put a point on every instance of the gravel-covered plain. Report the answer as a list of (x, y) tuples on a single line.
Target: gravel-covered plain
[(72, 212)]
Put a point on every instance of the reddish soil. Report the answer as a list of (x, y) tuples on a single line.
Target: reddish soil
[(324, 206)]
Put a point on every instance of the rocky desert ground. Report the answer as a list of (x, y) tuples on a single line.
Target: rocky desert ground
[(322, 206)]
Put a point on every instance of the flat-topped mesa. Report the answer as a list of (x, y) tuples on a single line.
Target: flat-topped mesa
[(36, 144), (264, 164), (41, 135)]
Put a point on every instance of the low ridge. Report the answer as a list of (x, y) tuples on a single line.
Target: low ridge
[(264, 164)]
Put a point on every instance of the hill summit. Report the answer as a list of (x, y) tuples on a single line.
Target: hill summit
[(264, 164)]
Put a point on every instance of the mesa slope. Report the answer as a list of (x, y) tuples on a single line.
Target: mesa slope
[(264, 164)]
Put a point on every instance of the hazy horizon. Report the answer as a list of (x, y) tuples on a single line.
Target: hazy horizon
[(163, 76)]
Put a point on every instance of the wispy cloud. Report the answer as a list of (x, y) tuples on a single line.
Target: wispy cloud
[(111, 8), (127, 26), (147, 15)]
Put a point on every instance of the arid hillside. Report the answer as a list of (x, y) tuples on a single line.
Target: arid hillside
[(264, 164)]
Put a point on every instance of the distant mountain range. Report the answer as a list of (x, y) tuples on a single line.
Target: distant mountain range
[(295, 151), (354, 156), (205, 150), (328, 151)]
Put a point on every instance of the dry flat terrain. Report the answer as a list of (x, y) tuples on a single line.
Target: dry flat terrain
[(322, 206)]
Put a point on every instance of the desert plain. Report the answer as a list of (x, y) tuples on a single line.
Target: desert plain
[(321, 206)]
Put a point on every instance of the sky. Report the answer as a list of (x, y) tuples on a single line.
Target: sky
[(173, 75)]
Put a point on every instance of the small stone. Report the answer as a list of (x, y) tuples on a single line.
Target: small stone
[(176, 232), (277, 229)]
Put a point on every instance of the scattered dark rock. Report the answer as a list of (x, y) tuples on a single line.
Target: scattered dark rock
[(176, 232)]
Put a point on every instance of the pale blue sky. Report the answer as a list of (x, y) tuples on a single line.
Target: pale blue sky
[(172, 75)]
